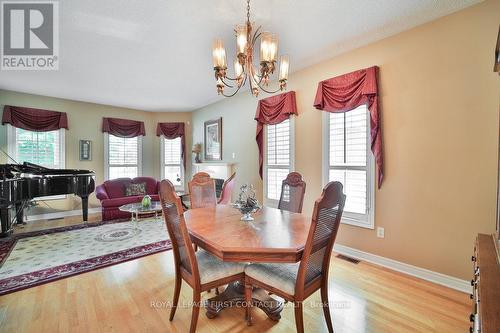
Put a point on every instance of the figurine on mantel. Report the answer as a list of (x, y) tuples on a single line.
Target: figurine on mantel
[(247, 202), (197, 150)]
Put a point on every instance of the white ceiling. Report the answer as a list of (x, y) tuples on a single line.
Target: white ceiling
[(155, 55)]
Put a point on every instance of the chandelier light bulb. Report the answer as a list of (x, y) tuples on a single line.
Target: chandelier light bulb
[(284, 67), (219, 54), (241, 38), (238, 68)]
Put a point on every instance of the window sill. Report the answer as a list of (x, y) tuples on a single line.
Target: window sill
[(357, 223)]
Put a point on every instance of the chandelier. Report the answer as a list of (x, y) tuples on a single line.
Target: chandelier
[(244, 69)]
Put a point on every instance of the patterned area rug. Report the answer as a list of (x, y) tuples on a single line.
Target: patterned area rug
[(33, 258)]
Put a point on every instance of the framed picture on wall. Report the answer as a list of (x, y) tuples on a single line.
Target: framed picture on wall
[(85, 150), (213, 140)]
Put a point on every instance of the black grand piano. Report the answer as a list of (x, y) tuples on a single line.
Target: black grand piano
[(20, 183)]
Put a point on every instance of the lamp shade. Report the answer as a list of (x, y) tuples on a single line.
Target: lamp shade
[(219, 54)]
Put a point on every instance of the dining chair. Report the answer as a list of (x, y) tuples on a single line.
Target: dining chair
[(227, 190), (293, 189), (297, 281), (202, 191), (201, 270)]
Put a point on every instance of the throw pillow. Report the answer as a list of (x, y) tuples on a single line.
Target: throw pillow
[(135, 189)]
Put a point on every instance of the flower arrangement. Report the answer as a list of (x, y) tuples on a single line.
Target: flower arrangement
[(247, 202)]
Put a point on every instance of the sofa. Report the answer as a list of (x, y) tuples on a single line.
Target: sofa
[(112, 195)]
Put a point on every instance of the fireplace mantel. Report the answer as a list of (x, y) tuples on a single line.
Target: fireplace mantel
[(221, 170)]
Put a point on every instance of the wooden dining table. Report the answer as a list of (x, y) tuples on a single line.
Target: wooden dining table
[(275, 236)]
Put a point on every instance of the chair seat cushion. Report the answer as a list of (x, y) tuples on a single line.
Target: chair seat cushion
[(212, 268), (279, 276)]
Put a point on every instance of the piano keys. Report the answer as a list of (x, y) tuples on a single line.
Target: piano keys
[(20, 183)]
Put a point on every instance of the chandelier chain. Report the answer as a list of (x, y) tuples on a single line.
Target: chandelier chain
[(248, 10)]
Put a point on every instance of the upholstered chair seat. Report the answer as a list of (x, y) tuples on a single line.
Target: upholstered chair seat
[(279, 276), (212, 268)]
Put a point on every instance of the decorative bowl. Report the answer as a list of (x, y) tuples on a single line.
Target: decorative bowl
[(246, 211)]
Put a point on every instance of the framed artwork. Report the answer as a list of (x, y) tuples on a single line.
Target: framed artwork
[(213, 140), (85, 150)]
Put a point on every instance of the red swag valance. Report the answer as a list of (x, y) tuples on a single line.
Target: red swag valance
[(172, 131), (123, 128), (34, 119), (271, 111), (345, 93)]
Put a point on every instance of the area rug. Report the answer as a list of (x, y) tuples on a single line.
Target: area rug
[(33, 258)]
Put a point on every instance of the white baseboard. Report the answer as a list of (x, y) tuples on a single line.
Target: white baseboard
[(58, 215), (422, 273)]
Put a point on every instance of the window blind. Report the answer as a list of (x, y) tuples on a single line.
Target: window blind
[(172, 160), (348, 149), (278, 157), (43, 148), (123, 157)]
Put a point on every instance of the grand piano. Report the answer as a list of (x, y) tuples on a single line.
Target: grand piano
[(20, 183)]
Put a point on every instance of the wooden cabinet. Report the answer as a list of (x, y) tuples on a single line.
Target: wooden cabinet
[(485, 315)]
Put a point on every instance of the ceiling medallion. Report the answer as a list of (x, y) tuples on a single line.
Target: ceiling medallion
[(244, 69)]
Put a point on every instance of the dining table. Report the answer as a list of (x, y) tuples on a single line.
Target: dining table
[(274, 236)]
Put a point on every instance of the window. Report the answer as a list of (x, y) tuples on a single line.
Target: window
[(278, 158), (122, 156), (171, 161), (349, 160), (42, 148)]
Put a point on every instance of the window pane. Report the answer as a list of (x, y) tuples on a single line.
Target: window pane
[(123, 151), (348, 137), (173, 173), (278, 143), (354, 182), (120, 172), (172, 151), (274, 179), (41, 148)]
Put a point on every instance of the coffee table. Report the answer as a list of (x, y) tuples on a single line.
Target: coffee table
[(137, 209)]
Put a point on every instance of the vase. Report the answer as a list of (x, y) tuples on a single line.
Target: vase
[(197, 158), (146, 201)]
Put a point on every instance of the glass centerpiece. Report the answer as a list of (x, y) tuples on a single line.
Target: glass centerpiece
[(247, 202), (146, 202)]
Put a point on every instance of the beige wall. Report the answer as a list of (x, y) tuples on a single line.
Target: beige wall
[(440, 102), (85, 120)]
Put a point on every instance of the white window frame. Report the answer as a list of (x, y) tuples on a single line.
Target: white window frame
[(163, 165), (267, 201), (106, 156), (359, 220), (11, 148)]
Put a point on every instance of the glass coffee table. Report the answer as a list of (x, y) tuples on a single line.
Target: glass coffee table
[(137, 209)]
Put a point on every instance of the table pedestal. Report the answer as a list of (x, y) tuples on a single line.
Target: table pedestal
[(234, 295)]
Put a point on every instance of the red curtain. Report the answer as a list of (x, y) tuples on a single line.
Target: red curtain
[(123, 128), (271, 111), (172, 131), (345, 93), (34, 119)]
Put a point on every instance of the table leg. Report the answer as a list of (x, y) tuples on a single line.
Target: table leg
[(234, 295)]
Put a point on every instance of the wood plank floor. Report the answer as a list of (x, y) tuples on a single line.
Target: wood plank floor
[(134, 297)]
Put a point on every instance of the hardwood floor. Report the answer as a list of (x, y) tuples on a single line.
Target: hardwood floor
[(55, 223), (134, 297)]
